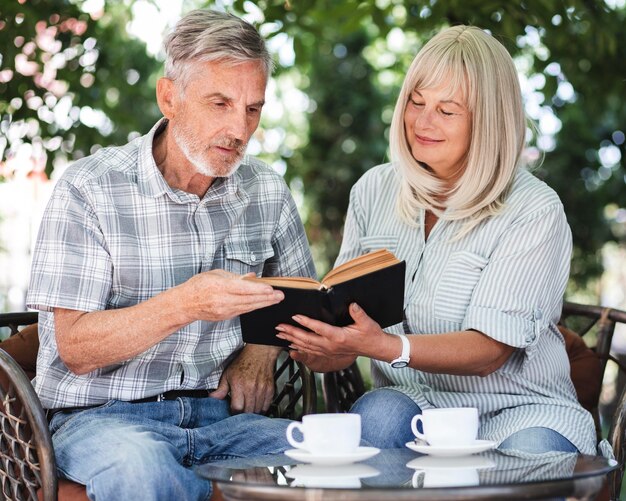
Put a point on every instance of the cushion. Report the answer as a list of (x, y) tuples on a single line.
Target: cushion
[(585, 369), (23, 347)]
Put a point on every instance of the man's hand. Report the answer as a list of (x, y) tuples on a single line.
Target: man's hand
[(219, 295), (250, 379)]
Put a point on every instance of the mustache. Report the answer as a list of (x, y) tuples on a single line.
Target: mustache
[(234, 144)]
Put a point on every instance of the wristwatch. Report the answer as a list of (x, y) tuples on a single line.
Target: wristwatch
[(403, 359)]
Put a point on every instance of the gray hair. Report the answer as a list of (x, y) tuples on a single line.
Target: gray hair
[(205, 35)]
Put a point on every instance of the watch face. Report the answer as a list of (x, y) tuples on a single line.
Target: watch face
[(399, 364)]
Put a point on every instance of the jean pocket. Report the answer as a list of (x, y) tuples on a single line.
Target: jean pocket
[(457, 284)]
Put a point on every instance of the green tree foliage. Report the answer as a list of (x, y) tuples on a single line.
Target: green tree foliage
[(346, 138), (70, 82)]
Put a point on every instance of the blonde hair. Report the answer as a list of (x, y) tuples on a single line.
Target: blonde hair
[(465, 58)]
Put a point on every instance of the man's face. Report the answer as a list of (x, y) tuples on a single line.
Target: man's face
[(217, 113)]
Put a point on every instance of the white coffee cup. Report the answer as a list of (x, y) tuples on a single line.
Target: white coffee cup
[(327, 434), (454, 426)]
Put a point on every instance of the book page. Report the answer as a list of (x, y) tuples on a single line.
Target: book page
[(293, 282), (359, 266)]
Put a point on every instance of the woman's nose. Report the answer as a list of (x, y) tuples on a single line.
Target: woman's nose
[(424, 117)]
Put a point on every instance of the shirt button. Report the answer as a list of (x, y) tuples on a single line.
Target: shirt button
[(253, 257), (538, 314)]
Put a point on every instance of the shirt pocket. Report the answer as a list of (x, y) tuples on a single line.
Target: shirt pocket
[(377, 242), (456, 285), (243, 257)]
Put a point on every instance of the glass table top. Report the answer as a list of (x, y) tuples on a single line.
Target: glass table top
[(399, 469)]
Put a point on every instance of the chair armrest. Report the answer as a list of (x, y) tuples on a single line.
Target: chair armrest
[(28, 462), (342, 388), (295, 393), (617, 438)]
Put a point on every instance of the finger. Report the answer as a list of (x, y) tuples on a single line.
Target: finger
[(241, 309), (292, 330), (250, 298), (358, 314), (316, 326), (268, 395), (300, 338), (299, 356), (306, 344), (250, 406), (236, 305), (238, 284), (237, 400), (221, 392), (311, 351)]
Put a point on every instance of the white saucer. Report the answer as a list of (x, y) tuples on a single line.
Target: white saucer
[(474, 448), (450, 463), (336, 476), (332, 459)]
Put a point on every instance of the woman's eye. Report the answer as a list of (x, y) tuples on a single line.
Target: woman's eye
[(417, 103), (447, 113)]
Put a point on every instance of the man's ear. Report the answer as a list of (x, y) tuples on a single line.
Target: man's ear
[(166, 94)]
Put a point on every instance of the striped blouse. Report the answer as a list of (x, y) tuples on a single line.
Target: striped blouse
[(506, 279)]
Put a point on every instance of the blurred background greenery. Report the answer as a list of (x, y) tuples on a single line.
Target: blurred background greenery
[(78, 75)]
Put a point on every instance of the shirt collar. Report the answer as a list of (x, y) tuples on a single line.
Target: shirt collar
[(152, 183), (149, 178)]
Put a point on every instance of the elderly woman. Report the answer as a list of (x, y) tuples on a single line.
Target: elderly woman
[(487, 248)]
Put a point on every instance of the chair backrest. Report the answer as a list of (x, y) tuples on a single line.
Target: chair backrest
[(27, 458)]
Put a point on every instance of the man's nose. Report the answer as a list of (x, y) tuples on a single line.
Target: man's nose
[(238, 124)]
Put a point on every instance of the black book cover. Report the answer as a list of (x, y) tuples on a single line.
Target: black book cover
[(380, 293)]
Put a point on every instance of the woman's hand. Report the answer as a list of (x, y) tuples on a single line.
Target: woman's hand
[(328, 341)]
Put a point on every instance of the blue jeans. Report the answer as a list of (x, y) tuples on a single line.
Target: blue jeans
[(386, 423), (122, 450)]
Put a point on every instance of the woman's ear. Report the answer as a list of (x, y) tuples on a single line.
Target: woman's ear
[(166, 94)]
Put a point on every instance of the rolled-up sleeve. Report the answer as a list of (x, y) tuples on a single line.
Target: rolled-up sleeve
[(71, 266), (520, 290)]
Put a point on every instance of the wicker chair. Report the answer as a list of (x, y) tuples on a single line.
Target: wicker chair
[(27, 464), (595, 323)]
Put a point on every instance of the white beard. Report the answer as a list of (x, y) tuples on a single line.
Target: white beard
[(197, 153)]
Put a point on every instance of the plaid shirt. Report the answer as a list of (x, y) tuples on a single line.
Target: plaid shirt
[(115, 234)]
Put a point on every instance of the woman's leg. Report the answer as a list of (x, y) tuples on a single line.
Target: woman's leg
[(537, 441), (386, 418)]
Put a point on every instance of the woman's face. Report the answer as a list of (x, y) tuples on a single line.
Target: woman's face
[(437, 128)]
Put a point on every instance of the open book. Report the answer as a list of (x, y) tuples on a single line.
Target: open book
[(375, 281)]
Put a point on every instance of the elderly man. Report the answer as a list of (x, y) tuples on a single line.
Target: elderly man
[(138, 274)]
